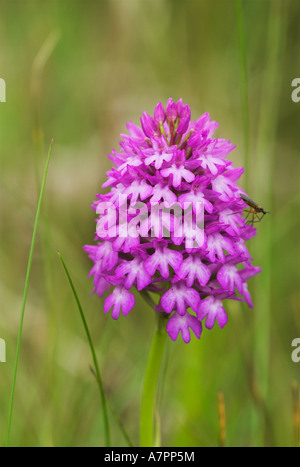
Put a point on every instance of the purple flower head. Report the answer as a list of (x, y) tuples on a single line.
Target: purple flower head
[(171, 223)]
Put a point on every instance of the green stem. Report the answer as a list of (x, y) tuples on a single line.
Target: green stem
[(25, 296), (244, 89), (97, 371), (150, 385), (263, 191)]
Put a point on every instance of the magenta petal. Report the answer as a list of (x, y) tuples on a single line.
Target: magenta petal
[(148, 125), (120, 299), (192, 298), (229, 278), (247, 295), (133, 271), (212, 309), (168, 301), (178, 297), (135, 131), (159, 113), (171, 110), (184, 323), (195, 325), (161, 260), (192, 268), (222, 317), (184, 120), (173, 327), (101, 285)]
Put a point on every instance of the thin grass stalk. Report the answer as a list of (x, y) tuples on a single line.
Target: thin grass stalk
[(97, 371), (244, 90), (10, 411), (38, 70), (262, 189)]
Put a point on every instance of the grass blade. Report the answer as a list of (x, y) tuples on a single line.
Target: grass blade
[(116, 417), (263, 190), (25, 295), (244, 89), (97, 371)]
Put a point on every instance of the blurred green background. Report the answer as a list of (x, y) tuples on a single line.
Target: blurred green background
[(77, 71)]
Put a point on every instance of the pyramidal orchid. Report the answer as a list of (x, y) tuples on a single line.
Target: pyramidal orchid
[(171, 223)]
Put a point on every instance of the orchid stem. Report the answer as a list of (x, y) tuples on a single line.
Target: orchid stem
[(150, 385)]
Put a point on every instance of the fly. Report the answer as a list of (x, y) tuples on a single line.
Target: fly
[(256, 211)]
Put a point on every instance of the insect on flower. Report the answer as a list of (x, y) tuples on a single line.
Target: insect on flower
[(254, 210)]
